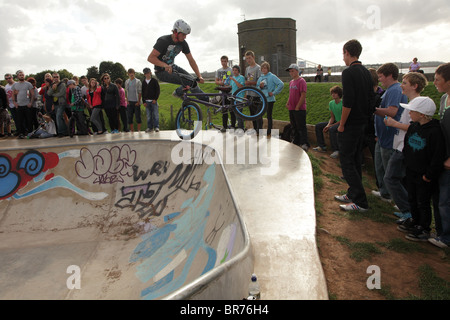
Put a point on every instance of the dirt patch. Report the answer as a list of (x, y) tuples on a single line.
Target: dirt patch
[(338, 232)]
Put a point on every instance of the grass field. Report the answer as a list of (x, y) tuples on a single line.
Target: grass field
[(318, 97)]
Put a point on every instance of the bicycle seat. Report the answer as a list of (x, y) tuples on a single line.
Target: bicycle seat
[(224, 89)]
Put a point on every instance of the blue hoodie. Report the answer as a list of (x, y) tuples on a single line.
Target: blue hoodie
[(273, 84)]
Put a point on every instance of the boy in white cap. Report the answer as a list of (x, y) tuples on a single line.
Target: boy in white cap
[(424, 151)]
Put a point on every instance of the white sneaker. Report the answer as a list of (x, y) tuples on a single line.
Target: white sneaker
[(378, 195), (334, 155), (352, 207), (438, 242), (157, 130)]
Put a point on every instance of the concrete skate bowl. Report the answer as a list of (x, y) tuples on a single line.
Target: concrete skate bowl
[(118, 220)]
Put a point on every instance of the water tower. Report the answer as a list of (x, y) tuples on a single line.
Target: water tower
[(272, 39)]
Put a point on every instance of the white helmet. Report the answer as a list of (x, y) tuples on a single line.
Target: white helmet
[(181, 26)]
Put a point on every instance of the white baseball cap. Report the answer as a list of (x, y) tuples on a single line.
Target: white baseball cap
[(423, 105), (293, 66)]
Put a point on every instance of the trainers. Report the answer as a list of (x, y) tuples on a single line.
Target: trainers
[(148, 130), (402, 217), (407, 226), (343, 198), (320, 149), (418, 234), (157, 130), (379, 195), (438, 242), (352, 207), (334, 155)]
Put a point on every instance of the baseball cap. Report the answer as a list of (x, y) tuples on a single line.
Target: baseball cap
[(71, 82), (423, 105), (293, 66), (147, 70)]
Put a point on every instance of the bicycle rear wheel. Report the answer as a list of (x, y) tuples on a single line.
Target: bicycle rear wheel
[(189, 121), (249, 103)]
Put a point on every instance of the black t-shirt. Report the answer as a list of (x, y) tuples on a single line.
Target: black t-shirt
[(169, 50)]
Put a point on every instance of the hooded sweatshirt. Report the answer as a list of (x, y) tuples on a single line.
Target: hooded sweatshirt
[(424, 149)]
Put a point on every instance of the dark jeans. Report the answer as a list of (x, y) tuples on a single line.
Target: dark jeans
[(113, 119), (269, 117), (420, 194), (257, 124), (79, 119), (298, 123), (332, 132), (133, 111), (350, 155)]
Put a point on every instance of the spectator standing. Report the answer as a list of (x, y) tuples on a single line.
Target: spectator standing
[(358, 95), (412, 86), (9, 94), (297, 107), (335, 108), (122, 105), (94, 97), (271, 86), (424, 152), (5, 119), (36, 106), (252, 74), (110, 99), (222, 78), (150, 95), (390, 106), (23, 96), (78, 117), (237, 82), (442, 221), (58, 93), (133, 89)]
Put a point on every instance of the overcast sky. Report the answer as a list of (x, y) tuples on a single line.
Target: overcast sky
[(78, 34)]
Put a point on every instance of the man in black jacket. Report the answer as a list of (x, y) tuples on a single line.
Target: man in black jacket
[(358, 95), (150, 96)]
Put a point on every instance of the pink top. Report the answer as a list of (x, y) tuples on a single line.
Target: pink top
[(123, 102), (296, 87)]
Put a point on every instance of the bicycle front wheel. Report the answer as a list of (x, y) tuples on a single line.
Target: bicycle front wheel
[(189, 121), (249, 103)]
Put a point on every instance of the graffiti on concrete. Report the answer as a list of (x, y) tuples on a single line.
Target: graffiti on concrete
[(16, 173), (176, 245), (108, 166), (151, 198)]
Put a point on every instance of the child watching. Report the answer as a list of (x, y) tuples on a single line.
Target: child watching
[(424, 152), (335, 108), (270, 85), (47, 128)]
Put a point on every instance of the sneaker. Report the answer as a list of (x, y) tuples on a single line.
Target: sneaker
[(407, 226), (438, 242), (320, 149), (402, 217), (157, 130), (343, 198), (379, 195), (418, 234), (334, 155), (352, 207), (148, 130)]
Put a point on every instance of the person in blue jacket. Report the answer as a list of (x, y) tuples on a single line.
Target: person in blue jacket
[(271, 86)]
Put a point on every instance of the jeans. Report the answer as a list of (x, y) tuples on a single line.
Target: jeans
[(164, 76), (124, 118), (298, 122), (113, 118), (350, 154), (443, 219), (394, 181), (332, 132), (152, 115), (60, 122), (79, 119), (381, 160), (95, 119)]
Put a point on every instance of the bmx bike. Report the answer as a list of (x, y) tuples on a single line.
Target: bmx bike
[(248, 103)]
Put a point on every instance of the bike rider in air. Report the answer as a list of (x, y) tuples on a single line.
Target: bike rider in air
[(163, 57)]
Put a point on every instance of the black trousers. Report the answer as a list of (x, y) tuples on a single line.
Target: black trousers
[(351, 143), (298, 123)]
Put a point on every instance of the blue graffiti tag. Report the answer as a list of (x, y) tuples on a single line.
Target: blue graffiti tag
[(183, 239)]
